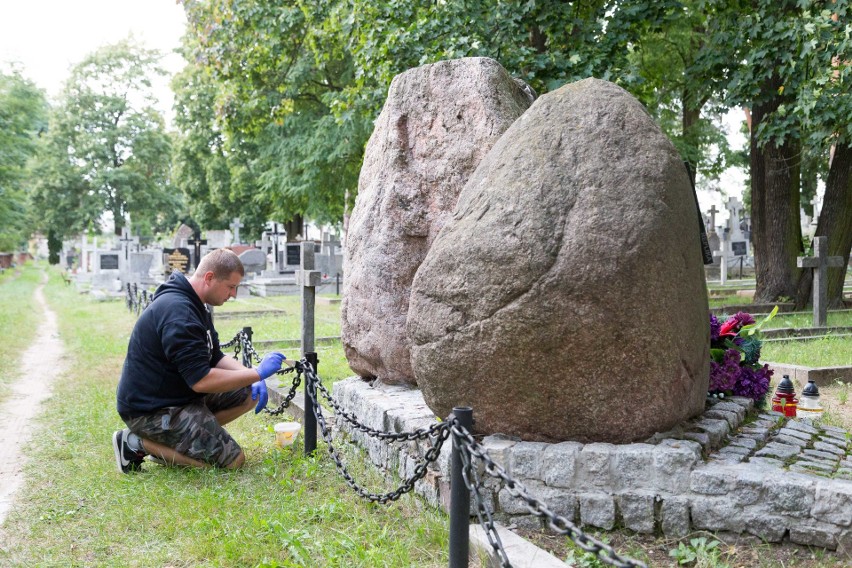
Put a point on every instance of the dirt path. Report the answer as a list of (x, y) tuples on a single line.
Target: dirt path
[(39, 365)]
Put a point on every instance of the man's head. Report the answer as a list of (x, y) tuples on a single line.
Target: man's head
[(217, 277)]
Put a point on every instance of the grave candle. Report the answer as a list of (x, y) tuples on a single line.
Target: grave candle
[(785, 400), (810, 407)]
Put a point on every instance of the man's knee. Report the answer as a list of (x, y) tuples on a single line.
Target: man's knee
[(238, 461)]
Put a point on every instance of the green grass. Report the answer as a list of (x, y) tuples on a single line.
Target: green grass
[(19, 315), (823, 352), (281, 509)]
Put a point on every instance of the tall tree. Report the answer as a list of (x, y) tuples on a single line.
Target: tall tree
[(23, 116), (825, 104), (288, 155), (106, 149)]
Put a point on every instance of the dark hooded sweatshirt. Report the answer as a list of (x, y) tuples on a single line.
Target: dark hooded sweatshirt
[(172, 347)]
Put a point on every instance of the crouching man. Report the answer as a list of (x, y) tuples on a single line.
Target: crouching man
[(177, 389)]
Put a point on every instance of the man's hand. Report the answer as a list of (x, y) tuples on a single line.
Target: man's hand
[(259, 393), (270, 364)]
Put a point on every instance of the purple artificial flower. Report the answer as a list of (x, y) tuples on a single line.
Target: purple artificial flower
[(724, 376), (744, 318), (752, 383), (714, 328)]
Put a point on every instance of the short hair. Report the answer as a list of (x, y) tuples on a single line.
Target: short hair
[(222, 263)]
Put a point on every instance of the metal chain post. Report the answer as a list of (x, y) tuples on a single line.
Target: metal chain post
[(459, 495), (311, 403)]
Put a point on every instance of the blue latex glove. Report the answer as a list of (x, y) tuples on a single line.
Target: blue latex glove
[(270, 364), (259, 393)]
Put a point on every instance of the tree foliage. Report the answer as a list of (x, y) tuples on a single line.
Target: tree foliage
[(23, 117), (106, 149), (291, 88), (788, 62), (273, 136)]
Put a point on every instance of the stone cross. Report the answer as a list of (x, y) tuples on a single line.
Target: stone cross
[(713, 212), (275, 231), (235, 227), (125, 241), (817, 204), (734, 207), (263, 244), (723, 253), (820, 264), (196, 244)]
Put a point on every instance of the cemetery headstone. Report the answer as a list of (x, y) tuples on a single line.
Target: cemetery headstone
[(291, 259), (196, 243), (254, 261), (182, 235), (218, 239), (535, 304), (816, 202), (713, 236), (235, 227), (108, 261), (271, 242), (176, 259), (140, 268), (819, 263), (438, 122), (738, 242), (107, 270)]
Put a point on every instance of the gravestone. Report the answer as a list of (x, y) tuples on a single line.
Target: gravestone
[(736, 237), (108, 261), (713, 236), (290, 258), (106, 272), (176, 259), (254, 261), (140, 268), (271, 243), (218, 239), (819, 263), (199, 249), (236, 226), (182, 235), (535, 305), (330, 258), (438, 122), (723, 254)]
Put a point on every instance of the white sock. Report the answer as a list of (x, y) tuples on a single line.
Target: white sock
[(134, 442)]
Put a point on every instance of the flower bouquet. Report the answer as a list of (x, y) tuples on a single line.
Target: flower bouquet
[(734, 355)]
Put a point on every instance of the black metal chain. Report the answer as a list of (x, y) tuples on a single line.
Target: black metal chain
[(420, 434), (557, 523), (297, 379), (234, 341), (443, 432), (438, 434)]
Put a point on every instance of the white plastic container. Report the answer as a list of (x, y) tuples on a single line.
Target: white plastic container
[(286, 433)]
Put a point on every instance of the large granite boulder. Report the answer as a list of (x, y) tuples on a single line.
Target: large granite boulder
[(438, 122), (566, 300)]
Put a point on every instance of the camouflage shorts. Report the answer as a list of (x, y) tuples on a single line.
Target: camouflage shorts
[(192, 430)]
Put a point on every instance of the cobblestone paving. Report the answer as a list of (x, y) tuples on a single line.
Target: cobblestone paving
[(792, 444)]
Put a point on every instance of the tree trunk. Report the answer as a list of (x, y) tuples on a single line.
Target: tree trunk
[(689, 118), (835, 223), (774, 211), (294, 227)]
